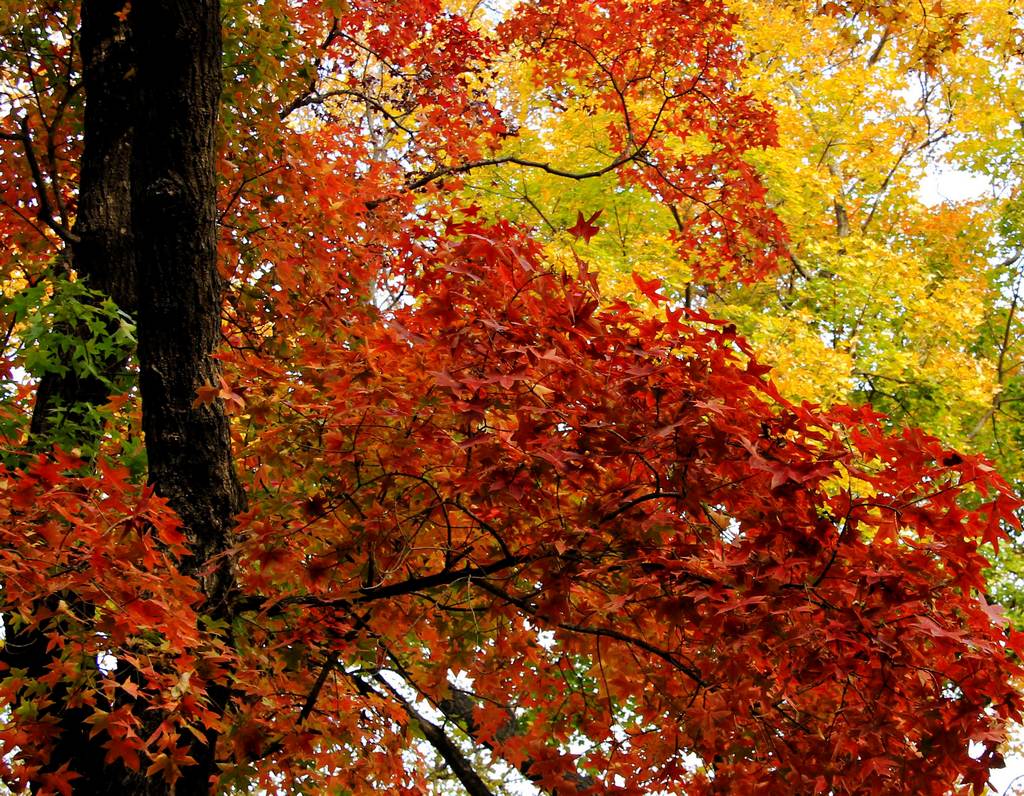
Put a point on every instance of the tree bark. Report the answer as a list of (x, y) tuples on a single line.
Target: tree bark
[(102, 254), (174, 214), (179, 289)]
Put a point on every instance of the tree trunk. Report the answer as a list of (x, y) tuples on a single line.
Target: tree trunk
[(174, 217), (102, 254)]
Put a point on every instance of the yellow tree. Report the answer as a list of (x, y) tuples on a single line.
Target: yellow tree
[(893, 294), (886, 291)]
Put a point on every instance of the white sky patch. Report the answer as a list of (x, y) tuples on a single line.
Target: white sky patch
[(1009, 781), (945, 184)]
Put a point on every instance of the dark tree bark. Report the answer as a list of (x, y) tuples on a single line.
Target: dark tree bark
[(174, 219), (179, 289), (102, 253)]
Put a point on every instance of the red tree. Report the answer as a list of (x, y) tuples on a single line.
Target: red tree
[(489, 517)]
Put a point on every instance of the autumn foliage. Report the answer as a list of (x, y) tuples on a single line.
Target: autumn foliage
[(499, 526)]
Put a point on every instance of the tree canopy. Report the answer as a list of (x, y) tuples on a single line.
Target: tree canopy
[(378, 413)]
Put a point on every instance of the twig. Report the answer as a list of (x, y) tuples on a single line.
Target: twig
[(45, 213)]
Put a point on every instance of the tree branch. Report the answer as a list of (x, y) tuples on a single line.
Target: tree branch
[(318, 686), (368, 594), (599, 632), (437, 738), (659, 495), (45, 213), (547, 168)]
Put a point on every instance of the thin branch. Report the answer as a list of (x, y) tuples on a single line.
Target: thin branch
[(538, 211), (437, 738), (1005, 344), (51, 143), (237, 193), (797, 267), (318, 686), (442, 578), (448, 171), (316, 97), (1004, 347), (873, 59), (300, 101), (835, 551), (1011, 259), (599, 632), (27, 220), (445, 577), (883, 188), (637, 501), (458, 710), (45, 213)]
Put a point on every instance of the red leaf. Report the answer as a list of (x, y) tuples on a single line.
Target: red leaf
[(585, 228), (649, 287)]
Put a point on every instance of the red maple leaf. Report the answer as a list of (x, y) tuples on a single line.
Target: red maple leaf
[(649, 287), (585, 228)]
